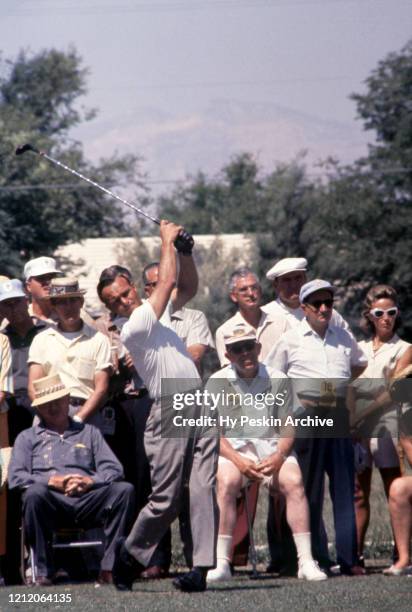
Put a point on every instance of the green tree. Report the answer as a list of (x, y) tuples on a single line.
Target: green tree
[(366, 208), (386, 109), (230, 203), (39, 104)]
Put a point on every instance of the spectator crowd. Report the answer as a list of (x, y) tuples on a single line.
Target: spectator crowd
[(87, 435)]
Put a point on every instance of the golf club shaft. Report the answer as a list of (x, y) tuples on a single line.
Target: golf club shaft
[(107, 191)]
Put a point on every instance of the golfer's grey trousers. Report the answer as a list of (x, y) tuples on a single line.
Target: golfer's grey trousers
[(183, 473)]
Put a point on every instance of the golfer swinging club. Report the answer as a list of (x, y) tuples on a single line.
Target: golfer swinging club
[(158, 354)]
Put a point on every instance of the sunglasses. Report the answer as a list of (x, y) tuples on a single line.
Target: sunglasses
[(240, 347), (151, 284), (318, 303), (379, 312)]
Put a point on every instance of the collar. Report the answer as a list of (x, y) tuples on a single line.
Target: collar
[(233, 375), (264, 318), (285, 307), (73, 428), (306, 330), (178, 314), (86, 330)]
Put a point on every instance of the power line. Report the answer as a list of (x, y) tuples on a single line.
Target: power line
[(68, 186), (191, 6)]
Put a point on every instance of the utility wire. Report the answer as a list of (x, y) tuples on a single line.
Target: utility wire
[(69, 186), (191, 6)]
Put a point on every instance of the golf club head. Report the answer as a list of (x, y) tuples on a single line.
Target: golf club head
[(26, 147)]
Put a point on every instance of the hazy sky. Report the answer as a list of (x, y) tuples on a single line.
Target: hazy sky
[(189, 83)]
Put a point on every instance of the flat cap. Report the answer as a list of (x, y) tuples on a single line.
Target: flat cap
[(284, 266), (315, 285)]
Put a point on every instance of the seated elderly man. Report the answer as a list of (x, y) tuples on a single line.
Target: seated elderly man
[(256, 454), (67, 473)]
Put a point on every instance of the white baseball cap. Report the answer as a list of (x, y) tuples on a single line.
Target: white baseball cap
[(40, 266), (12, 288), (284, 266)]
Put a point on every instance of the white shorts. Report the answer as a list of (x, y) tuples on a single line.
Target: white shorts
[(248, 451), (381, 453)]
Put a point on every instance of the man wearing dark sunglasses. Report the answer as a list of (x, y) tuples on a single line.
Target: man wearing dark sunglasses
[(327, 356), (257, 454)]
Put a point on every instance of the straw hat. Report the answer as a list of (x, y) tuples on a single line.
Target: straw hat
[(64, 287), (47, 389)]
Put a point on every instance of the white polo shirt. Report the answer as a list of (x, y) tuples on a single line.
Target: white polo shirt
[(268, 332), (157, 352), (302, 353), (75, 356), (295, 315), (191, 326)]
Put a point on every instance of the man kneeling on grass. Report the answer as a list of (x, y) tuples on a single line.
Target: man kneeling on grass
[(256, 453)]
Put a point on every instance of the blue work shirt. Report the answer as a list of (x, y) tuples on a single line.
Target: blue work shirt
[(40, 453)]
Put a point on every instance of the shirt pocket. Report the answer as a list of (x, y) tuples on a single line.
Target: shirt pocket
[(81, 457), (342, 362), (85, 368)]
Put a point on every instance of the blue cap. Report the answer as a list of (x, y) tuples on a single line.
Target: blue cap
[(314, 285), (10, 289)]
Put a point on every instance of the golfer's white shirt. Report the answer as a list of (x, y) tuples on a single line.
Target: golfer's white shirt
[(295, 315), (157, 352)]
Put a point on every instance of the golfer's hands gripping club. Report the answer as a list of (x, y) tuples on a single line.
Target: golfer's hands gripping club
[(182, 240)]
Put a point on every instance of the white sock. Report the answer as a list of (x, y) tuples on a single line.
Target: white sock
[(224, 548), (303, 547)]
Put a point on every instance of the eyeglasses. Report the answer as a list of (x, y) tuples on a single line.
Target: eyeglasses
[(151, 284), (240, 347), (318, 303), (254, 288), (379, 312)]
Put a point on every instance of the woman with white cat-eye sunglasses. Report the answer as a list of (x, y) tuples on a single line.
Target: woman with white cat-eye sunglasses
[(370, 403)]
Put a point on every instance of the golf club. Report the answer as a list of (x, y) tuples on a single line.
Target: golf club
[(183, 243)]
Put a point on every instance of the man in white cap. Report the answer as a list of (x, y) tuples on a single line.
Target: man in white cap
[(287, 276), (66, 471), (38, 274), (250, 454), (245, 291), (325, 356), (77, 352)]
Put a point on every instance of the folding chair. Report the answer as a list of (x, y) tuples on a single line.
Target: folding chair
[(65, 538), (243, 540)]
